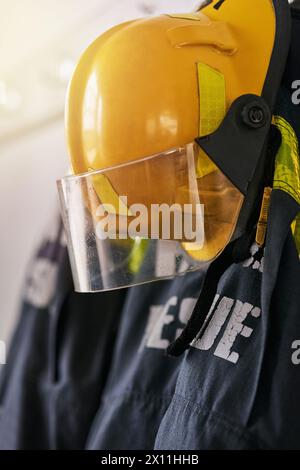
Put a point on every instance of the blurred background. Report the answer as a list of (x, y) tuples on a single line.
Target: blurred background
[(40, 41)]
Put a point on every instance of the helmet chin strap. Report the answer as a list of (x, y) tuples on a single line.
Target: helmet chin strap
[(237, 251)]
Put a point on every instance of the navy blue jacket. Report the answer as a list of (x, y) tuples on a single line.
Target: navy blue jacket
[(90, 370)]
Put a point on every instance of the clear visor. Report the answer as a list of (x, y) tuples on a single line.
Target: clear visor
[(148, 219)]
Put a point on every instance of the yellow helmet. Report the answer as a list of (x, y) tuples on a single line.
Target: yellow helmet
[(169, 112)]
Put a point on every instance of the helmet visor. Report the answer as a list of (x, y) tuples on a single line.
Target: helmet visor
[(148, 219)]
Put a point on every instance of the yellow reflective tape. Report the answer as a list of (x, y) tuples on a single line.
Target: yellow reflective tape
[(137, 255), (287, 169), (212, 110), (107, 195), (296, 232), (287, 165), (212, 99)]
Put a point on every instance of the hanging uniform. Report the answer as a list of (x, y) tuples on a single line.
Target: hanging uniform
[(59, 355), (90, 370)]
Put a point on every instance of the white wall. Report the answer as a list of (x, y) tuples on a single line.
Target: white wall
[(36, 36), (29, 167)]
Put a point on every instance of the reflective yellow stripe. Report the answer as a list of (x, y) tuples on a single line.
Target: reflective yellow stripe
[(137, 254), (212, 99), (212, 110), (296, 232), (287, 169), (287, 166)]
